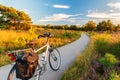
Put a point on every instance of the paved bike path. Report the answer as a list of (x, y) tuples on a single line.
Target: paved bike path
[(68, 55)]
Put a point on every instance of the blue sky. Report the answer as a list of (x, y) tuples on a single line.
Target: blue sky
[(67, 11)]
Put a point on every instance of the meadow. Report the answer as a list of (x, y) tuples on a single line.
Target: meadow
[(14, 40), (99, 61)]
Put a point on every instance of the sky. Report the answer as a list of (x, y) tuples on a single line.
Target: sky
[(76, 12)]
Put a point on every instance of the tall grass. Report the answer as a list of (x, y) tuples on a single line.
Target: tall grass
[(79, 68), (107, 43), (12, 40), (114, 75), (83, 67)]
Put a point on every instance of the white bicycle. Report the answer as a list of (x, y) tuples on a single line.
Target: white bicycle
[(53, 56)]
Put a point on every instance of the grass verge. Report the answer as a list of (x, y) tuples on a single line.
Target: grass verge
[(103, 49)]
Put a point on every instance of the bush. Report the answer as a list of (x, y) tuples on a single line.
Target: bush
[(114, 76), (115, 49), (108, 60), (1, 49), (101, 46)]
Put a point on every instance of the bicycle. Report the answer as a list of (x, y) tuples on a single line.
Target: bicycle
[(53, 56)]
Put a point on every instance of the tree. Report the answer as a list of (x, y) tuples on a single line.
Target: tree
[(90, 26), (105, 26), (66, 26), (13, 17), (73, 27), (48, 26), (117, 28)]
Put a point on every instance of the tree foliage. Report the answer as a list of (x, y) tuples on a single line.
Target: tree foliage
[(12, 18), (117, 28), (105, 26), (90, 26)]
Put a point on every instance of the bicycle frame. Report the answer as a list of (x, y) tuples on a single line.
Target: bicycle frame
[(45, 54)]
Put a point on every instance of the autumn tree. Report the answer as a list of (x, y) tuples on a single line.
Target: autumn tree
[(13, 17), (73, 27), (117, 28), (66, 26), (105, 26), (90, 26)]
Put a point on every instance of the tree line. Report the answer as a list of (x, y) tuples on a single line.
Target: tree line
[(89, 26), (11, 18)]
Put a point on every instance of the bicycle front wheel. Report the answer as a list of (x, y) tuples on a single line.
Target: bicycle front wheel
[(54, 59)]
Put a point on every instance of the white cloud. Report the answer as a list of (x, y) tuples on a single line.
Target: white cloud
[(114, 5), (111, 10), (98, 15), (104, 15), (113, 16), (60, 17), (61, 6)]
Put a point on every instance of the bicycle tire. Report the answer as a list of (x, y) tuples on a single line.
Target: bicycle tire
[(54, 56), (10, 75)]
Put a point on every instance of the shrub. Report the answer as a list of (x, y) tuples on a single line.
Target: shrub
[(108, 60), (1, 49), (115, 48), (114, 76), (67, 34), (101, 46)]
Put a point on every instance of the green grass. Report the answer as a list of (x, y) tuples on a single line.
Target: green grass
[(114, 75)]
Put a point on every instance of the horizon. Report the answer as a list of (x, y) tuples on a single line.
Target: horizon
[(72, 12)]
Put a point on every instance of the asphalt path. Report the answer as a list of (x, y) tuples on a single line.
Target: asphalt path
[(68, 54)]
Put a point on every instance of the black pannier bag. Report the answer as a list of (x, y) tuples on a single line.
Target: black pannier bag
[(25, 68)]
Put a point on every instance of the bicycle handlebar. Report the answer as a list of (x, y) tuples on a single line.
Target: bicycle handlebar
[(46, 34)]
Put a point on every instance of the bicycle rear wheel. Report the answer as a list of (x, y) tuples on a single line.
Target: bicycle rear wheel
[(12, 74), (54, 59)]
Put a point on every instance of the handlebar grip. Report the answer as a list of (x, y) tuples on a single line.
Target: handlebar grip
[(46, 34), (40, 36)]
